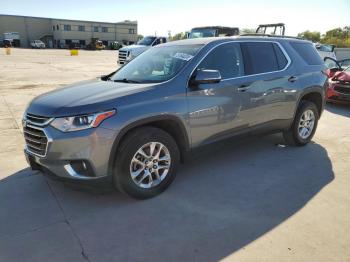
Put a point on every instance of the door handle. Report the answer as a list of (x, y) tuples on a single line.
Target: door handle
[(243, 88), (292, 79)]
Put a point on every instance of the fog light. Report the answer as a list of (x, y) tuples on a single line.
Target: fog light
[(82, 168)]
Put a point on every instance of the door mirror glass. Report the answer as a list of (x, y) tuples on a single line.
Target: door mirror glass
[(206, 76)]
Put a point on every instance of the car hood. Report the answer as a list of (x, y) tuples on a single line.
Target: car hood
[(83, 98), (342, 76), (135, 49)]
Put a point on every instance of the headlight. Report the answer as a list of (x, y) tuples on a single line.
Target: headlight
[(131, 56), (333, 81), (75, 123)]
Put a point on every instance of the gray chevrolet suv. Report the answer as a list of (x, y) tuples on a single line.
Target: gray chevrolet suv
[(134, 126)]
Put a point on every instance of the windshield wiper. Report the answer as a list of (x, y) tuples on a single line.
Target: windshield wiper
[(107, 77), (125, 80)]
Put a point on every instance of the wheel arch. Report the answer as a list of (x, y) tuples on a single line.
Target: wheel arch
[(169, 123), (315, 96)]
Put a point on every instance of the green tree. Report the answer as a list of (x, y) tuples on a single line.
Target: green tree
[(340, 37), (338, 33), (312, 36), (178, 36)]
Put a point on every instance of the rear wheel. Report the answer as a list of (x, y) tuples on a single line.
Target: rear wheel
[(146, 163), (304, 125)]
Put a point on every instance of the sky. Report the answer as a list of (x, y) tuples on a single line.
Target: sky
[(161, 16)]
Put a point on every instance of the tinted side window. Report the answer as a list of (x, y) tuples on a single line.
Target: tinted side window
[(157, 42), (281, 58), (226, 58), (307, 52), (259, 57)]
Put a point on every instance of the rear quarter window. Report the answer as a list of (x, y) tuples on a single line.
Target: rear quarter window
[(281, 58), (307, 52)]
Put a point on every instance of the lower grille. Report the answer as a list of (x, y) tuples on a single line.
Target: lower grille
[(342, 89), (36, 140), (344, 82)]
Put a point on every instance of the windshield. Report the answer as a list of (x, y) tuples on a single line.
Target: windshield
[(325, 48), (146, 41), (198, 33), (156, 64)]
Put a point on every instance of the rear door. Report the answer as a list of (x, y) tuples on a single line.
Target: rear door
[(269, 83)]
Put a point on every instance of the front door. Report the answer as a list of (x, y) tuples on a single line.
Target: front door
[(214, 109)]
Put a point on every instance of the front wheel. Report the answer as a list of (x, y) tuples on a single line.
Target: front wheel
[(146, 162), (304, 125)]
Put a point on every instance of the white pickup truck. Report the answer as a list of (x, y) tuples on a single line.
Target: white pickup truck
[(37, 44), (127, 53), (325, 51)]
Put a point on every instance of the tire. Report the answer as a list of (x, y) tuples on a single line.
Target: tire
[(129, 161), (293, 136)]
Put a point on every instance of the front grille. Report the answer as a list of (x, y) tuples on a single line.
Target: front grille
[(37, 120), (122, 56), (342, 89), (344, 82), (34, 135), (36, 140)]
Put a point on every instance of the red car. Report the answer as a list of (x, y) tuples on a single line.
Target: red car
[(339, 80)]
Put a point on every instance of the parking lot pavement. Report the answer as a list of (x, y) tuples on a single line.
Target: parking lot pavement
[(250, 201)]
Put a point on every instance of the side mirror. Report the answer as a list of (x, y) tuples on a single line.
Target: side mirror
[(107, 77), (331, 63), (206, 76)]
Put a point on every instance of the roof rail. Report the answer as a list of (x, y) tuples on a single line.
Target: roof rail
[(269, 35)]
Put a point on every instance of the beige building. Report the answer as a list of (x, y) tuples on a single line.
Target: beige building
[(59, 33)]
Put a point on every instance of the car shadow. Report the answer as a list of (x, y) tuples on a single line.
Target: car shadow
[(339, 109), (226, 196)]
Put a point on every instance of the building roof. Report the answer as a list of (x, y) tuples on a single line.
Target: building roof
[(84, 21)]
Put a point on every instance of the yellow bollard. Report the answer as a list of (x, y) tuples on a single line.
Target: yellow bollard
[(74, 52), (8, 51)]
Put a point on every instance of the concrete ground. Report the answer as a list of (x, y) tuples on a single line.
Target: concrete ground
[(249, 201)]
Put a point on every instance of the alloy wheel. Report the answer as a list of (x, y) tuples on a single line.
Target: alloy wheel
[(150, 165), (306, 124)]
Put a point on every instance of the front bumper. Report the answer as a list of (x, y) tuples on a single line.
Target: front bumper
[(80, 155), (335, 96), (121, 62)]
